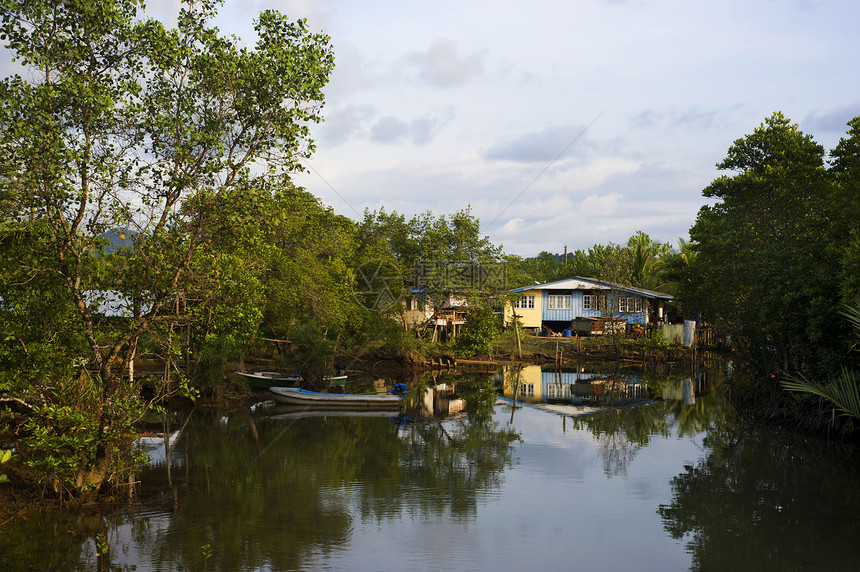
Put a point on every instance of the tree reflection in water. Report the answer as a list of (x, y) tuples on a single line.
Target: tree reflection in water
[(621, 432), (258, 492), (766, 500)]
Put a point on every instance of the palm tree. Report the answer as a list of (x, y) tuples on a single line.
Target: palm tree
[(646, 259)]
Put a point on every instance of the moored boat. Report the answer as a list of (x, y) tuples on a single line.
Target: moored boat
[(276, 379), (298, 396)]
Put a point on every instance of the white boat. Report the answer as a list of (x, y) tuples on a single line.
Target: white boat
[(297, 396), (274, 378)]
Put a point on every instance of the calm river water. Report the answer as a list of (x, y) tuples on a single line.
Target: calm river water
[(465, 481)]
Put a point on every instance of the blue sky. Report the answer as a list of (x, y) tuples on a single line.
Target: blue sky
[(560, 123)]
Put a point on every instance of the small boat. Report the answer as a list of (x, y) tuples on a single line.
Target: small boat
[(297, 396), (274, 378)]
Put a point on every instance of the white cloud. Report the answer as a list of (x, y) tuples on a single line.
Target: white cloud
[(442, 66), (833, 120), (595, 205), (419, 131), (542, 146), (343, 124)]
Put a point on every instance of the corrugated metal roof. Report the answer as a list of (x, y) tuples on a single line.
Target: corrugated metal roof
[(580, 283)]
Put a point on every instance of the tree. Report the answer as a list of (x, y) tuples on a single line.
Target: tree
[(436, 256), (645, 259), (478, 333), (768, 251), (845, 168), (124, 123)]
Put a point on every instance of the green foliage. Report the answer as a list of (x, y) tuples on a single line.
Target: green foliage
[(102, 544), (843, 392), (63, 441), (121, 123), (644, 260), (770, 252), (655, 342), (416, 249), (426, 238), (477, 334), (639, 263), (214, 354), (4, 458), (310, 354)]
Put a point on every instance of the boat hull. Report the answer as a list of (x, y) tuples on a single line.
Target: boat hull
[(297, 396), (273, 379)]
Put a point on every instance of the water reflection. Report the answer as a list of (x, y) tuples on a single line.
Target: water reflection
[(766, 500), (622, 431), (599, 386), (311, 476), (457, 481)]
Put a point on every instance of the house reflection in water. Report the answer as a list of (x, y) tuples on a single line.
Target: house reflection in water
[(439, 401), (551, 384)]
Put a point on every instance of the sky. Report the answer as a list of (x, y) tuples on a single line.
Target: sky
[(559, 123)]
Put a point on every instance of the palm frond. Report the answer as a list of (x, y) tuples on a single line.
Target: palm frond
[(843, 392), (852, 313)]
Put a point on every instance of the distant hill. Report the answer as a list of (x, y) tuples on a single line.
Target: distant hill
[(119, 239)]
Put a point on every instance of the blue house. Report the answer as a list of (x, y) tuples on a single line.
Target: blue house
[(586, 304)]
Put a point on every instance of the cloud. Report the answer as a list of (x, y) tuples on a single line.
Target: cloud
[(539, 146), (692, 118), (695, 118), (833, 121), (442, 66), (419, 131), (389, 129), (345, 123), (601, 205)]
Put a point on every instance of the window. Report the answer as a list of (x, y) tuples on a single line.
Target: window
[(630, 304), (558, 391), (589, 302), (526, 302), (558, 302)]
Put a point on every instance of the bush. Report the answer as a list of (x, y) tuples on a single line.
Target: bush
[(478, 333)]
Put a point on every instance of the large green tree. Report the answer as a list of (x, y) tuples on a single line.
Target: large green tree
[(121, 122), (845, 232), (770, 250)]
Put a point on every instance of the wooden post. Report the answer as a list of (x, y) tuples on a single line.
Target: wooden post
[(516, 391), (517, 331)]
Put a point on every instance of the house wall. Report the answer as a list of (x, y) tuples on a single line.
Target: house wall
[(529, 317), (576, 311), (535, 317), (530, 388)]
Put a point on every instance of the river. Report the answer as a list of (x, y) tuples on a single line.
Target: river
[(482, 472)]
